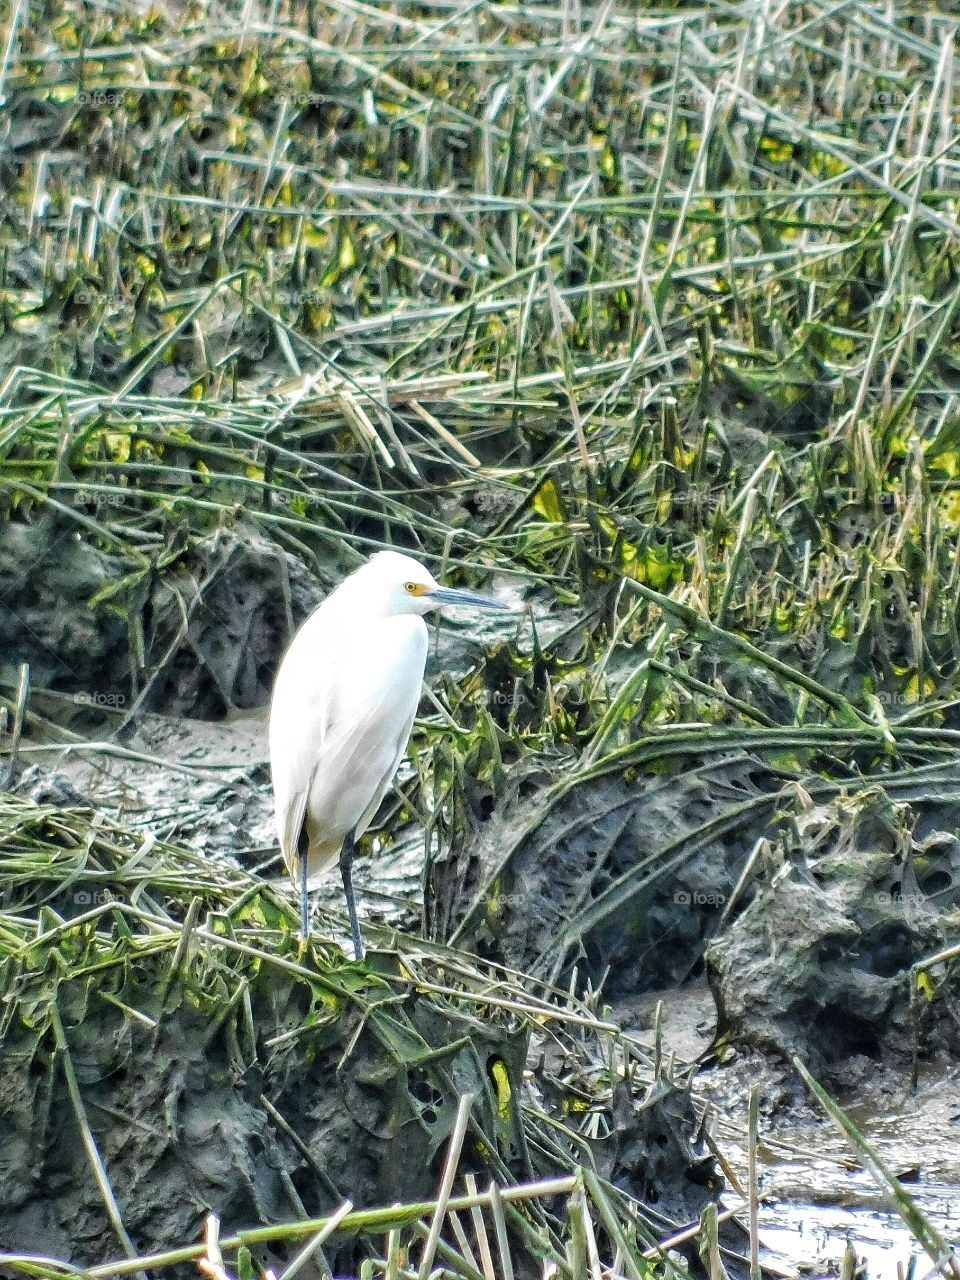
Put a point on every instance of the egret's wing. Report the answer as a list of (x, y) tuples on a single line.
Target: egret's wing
[(293, 762), (337, 713), (290, 822), (341, 740), (301, 712)]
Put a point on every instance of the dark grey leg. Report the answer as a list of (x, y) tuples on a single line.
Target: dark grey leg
[(303, 845), (346, 865), (304, 901)]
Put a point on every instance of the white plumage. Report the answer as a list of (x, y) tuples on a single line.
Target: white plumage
[(342, 710)]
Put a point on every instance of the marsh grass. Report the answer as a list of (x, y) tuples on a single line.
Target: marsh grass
[(212, 937), (592, 295), (653, 308)]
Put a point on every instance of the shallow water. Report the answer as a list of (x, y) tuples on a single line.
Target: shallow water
[(814, 1194), (918, 1138)]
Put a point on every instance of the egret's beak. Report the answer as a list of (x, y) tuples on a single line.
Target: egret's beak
[(444, 595)]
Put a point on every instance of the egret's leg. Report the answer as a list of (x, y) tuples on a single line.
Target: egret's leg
[(346, 867), (304, 901), (303, 847)]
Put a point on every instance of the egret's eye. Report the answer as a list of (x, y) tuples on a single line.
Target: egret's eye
[(411, 587)]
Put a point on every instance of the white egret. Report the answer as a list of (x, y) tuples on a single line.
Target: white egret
[(342, 710)]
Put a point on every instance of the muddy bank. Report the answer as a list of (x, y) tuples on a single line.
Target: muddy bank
[(808, 918), (284, 1111), (628, 872), (169, 1019), (812, 916), (807, 1175), (822, 961), (198, 639)]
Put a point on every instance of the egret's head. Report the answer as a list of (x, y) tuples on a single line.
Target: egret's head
[(402, 585)]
